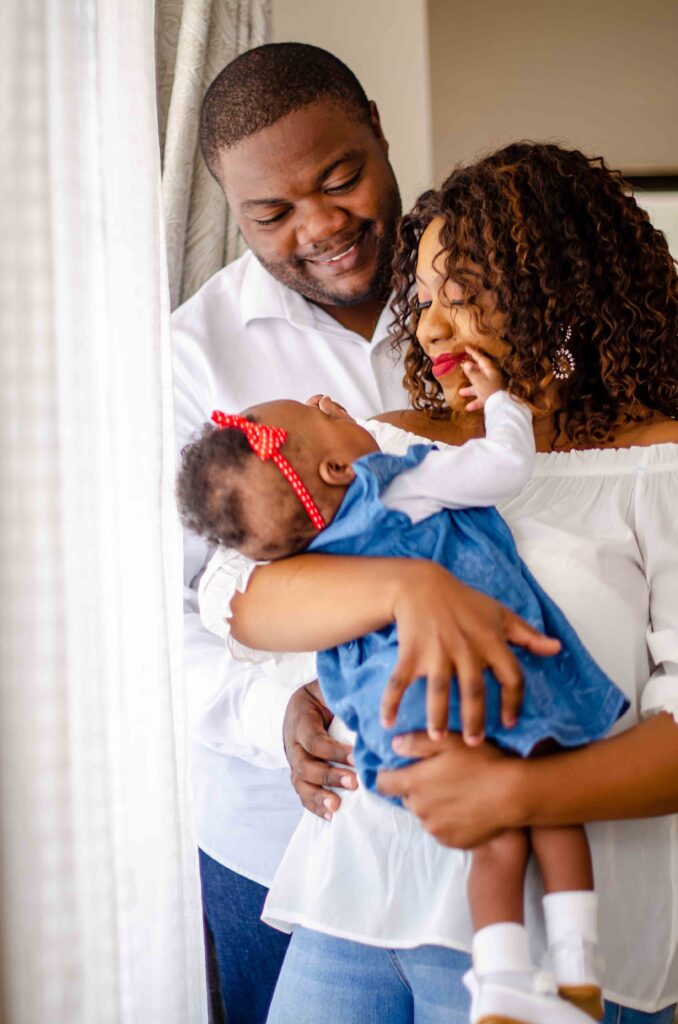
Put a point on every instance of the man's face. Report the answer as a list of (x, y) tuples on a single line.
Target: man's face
[(317, 202)]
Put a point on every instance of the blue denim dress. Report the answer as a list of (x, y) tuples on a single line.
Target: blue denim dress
[(568, 698)]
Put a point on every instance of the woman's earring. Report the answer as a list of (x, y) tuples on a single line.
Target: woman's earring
[(562, 360)]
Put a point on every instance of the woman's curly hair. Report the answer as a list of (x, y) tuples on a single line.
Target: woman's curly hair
[(560, 241)]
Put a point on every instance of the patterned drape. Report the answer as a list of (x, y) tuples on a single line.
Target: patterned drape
[(195, 39)]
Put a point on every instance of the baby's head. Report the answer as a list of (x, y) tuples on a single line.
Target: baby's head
[(264, 508)]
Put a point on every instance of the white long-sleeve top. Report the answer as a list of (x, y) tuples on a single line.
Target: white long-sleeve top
[(599, 531), (245, 338)]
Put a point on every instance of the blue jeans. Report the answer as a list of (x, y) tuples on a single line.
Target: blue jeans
[(334, 981), (249, 953)]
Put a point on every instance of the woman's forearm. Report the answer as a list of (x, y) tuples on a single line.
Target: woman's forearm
[(311, 602), (465, 796), (632, 775)]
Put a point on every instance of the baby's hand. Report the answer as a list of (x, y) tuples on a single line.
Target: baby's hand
[(329, 407), (484, 379)]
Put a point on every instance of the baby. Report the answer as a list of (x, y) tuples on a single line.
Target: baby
[(284, 478)]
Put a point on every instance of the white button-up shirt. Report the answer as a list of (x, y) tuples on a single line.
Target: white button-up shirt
[(245, 338)]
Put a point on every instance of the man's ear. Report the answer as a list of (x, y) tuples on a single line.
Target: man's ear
[(375, 121), (336, 473)]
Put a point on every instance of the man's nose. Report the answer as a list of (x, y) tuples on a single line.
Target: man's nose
[(319, 221)]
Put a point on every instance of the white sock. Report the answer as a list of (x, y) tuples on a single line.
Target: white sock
[(572, 934), (501, 954)]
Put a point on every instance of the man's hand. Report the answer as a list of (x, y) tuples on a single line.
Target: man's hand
[(309, 749), (463, 797), (447, 629)]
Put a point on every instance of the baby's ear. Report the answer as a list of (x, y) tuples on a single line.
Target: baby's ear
[(336, 473)]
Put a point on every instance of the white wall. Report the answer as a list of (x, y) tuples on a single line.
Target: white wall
[(663, 210), (385, 43)]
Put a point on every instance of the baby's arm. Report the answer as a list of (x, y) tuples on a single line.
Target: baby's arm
[(485, 471)]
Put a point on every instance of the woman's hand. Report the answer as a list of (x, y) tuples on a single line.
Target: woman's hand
[(462, 796), (447, 629), (309, 750)]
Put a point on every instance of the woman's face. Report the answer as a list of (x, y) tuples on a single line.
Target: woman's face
[(447, 323)]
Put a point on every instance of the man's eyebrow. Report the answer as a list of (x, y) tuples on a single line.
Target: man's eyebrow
[(350, 154), (249, 204)]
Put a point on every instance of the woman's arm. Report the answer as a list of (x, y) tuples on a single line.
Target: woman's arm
[(465, 796), (445, 628)]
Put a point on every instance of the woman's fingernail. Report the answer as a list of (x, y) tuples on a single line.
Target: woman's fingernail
[(327, 802), (509, 721), (398, 743), (436, 734), (327, 817), (350, 759), (347, 781), (473, 741)]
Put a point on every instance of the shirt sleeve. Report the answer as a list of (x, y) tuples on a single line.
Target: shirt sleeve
[(484, 471), (236, 707), (657, 532)]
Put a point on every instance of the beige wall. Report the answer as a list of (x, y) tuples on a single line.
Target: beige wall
[(598, 74), (454, 79), (385, 43)]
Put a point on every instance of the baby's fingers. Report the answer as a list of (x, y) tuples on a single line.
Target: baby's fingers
[(480, 360)]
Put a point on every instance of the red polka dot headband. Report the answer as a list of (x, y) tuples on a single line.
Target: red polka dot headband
[(265, 442)]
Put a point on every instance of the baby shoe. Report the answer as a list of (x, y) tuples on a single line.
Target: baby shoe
[(574, 958), (492, 1003)]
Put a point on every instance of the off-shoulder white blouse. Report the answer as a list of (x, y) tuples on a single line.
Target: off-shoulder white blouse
[(599, 530)]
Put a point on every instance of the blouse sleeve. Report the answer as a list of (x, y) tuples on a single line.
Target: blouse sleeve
[(657, 531), (484, 471), (226, 574)]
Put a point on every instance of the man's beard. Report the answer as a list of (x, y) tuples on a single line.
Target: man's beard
[(291, 273)]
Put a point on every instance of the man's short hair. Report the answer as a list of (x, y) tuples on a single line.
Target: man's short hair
[(267, 83)]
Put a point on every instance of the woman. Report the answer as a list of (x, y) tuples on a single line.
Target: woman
[(538, 256)]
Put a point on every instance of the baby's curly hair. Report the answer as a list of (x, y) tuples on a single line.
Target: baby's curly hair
[(214, 502), (560, 241)]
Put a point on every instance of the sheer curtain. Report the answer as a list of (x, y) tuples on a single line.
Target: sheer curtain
[(100, 920), (195, 39)]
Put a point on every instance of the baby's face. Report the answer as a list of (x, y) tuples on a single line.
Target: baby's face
[(320, 429)]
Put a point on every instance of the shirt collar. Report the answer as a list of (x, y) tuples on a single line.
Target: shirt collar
[(262, 297)]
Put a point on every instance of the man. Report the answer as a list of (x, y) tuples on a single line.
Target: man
[(299, 152), (290, 136)]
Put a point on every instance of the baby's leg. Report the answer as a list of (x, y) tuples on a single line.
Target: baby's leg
[(496, 881), (571, 913), (496, 886)]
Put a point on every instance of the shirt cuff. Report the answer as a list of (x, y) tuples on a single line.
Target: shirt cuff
[(264, 707)]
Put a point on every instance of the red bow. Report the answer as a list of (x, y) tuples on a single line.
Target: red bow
[(266, 442)]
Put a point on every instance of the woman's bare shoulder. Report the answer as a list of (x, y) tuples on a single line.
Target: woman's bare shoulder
[(415, 421), (659, 430), (406, 419)]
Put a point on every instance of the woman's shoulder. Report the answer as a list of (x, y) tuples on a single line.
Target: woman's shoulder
[(420, 423), (405, 419), (657, 429)]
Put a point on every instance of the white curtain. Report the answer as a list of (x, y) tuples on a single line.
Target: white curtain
[(100, 919), (195, 39)]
